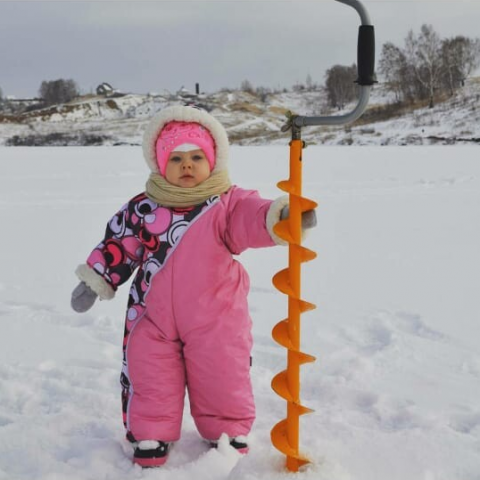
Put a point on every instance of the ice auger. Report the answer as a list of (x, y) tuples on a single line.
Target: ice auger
[(285, 434)]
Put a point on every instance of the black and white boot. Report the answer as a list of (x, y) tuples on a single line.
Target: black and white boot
[(150, 453), (238, 443)]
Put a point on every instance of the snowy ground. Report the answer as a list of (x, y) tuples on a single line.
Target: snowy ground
[(396, 386)]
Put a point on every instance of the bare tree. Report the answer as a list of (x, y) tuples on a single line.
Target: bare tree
[(424, 55), (461, 57), (262, 93), (393, 66), (469, 52), (247, 86), (58, 91), (428, 65), (340, 85)]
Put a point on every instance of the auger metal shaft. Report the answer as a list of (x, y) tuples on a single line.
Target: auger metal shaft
[(294, 268)]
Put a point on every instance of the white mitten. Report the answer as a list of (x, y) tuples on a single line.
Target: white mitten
[(309, 218)]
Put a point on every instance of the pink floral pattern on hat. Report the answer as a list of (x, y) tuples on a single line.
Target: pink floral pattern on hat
[(175, 134)]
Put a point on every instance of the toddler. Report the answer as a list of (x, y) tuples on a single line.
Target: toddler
[(187, 324)]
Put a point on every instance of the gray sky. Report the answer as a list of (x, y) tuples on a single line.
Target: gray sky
[(151, 46)]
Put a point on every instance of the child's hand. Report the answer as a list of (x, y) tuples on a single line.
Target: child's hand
[(309, 218), (83, 297)]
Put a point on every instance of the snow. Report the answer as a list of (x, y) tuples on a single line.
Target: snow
[(251, 120), (396, 384)]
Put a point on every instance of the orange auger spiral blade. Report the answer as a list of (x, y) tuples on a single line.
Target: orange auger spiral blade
[(287, 333), (285, 434)]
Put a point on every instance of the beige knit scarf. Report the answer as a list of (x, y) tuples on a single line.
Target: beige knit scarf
[(168, 195)]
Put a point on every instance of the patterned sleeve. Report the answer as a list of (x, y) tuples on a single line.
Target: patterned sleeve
[(116, 257)]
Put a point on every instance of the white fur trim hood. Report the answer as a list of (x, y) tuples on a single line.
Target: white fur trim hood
[(185, 114), (88, 275)]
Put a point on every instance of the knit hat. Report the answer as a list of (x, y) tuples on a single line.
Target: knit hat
[(186, 114), (183, 136)]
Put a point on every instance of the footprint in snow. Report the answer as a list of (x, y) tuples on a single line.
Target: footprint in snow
[(413, 324), (374, 338), (386, 329), (465, 423)]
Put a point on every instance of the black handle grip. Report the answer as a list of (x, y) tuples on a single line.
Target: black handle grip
[(366, 55)]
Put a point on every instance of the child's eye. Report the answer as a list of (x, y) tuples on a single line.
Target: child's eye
[(175, 159), (197, 157)]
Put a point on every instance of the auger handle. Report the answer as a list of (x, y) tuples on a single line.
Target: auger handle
[(365, 69)]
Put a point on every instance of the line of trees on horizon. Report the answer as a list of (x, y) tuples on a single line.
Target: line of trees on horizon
[(425, 68), (427, 65)]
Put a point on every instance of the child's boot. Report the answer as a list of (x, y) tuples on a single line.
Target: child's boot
[(150, 453), (238, 443)]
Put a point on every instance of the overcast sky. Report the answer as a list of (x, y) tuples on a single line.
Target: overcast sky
[(152, 46)]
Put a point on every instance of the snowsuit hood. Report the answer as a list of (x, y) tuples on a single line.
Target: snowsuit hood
[(185, 114)]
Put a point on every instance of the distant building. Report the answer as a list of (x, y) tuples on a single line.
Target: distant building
[(186, 94), (193, 99), (105, 89)]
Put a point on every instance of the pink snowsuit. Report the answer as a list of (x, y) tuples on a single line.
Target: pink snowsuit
[(187, 322)]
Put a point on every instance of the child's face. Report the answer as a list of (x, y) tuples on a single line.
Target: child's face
[(187, 169)]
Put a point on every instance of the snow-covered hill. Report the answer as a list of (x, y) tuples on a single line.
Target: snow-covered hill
[(250, 120)]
